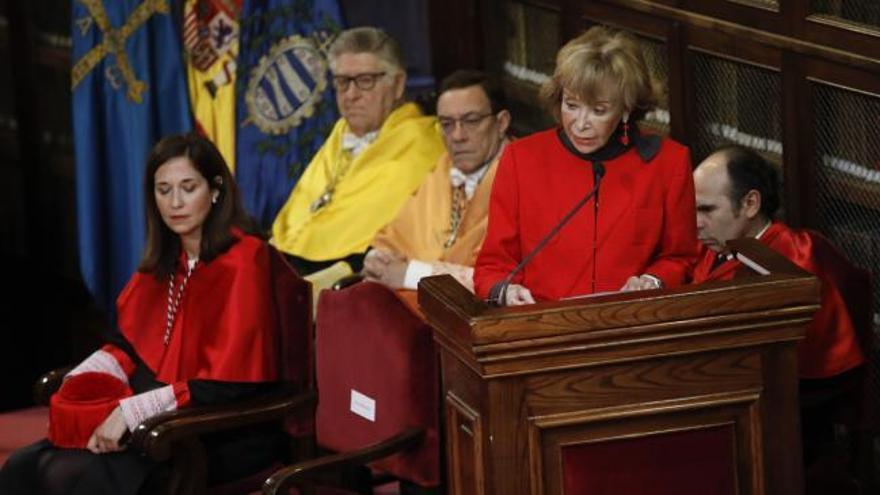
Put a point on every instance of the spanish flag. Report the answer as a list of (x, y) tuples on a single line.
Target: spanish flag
[(210, 37)]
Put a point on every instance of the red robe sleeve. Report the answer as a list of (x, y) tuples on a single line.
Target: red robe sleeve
[(677, 251), (501, 248), (831, 344)]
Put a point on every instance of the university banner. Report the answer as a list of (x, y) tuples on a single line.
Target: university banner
[(210, 38), (128, 91), (285, 106)]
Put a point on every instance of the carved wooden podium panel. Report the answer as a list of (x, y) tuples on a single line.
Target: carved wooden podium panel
[(691, 390)]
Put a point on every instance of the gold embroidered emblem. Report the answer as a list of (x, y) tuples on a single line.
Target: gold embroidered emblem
[(114, 43)]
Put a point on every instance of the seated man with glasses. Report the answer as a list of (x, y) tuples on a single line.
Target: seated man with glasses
[(441, 228), (374, 159)]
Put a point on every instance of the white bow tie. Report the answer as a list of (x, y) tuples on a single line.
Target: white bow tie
[(470, 181), (357, 144)]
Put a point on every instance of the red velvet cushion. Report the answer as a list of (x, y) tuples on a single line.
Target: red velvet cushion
[(369, 341), (81, 405), (696, 462)]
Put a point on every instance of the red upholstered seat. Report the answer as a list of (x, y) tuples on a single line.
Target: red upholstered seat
[(372, 346)]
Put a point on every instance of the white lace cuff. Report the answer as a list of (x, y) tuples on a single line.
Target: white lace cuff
[(415, 271), (140, 407), (103, 362)]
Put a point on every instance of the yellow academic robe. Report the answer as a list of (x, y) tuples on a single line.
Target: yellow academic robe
[(421, 228), (369, 192)]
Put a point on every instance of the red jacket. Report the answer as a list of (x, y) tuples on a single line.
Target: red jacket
[(831, 345), (646, 219)]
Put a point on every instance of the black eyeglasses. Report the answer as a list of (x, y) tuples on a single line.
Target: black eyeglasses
[(363, 82), (469, 123)]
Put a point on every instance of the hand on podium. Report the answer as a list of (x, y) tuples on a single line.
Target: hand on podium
[(642, 282), (518, 295)]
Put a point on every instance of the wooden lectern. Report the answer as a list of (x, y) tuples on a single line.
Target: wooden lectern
[(691, 390)]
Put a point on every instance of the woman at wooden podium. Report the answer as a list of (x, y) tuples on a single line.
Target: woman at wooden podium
[(592, 205)]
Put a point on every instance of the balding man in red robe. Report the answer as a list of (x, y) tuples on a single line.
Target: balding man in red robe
[(737, 196)]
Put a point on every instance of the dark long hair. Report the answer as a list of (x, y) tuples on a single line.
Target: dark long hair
[(163, 245)]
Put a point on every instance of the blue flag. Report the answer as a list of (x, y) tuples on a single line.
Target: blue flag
[(129, 91), (284, 98)]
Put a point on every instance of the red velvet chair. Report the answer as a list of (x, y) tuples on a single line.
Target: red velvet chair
[(855, 407), (378, 391), (174, 436)]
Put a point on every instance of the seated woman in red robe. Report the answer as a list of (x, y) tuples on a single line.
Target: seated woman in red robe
[(636, 232), (196, 327)]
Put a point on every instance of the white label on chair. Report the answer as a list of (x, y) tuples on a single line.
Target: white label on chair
[(363, 406)]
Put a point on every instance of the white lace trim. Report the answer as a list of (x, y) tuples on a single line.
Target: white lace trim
[(100, 361), (415, 271), (139, 408)]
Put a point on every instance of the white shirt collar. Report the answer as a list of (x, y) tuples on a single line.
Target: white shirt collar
[(763, 230), (357, 144), (470, 181)]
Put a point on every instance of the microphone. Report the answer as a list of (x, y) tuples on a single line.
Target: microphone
[(498, 293)]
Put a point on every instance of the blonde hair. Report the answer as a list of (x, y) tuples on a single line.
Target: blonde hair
[(368, 40), (600, 59)]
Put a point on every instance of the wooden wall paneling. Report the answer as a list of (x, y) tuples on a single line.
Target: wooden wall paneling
[(456, 34), (687, 123), (759, 14), (855, 78), (734, 47), (22, 41), (843, 160), (735, 92), (799, 201), (531, 33), (493, 36), (680, 84), (830, 31), (856, 129), (748, 33), (572, 25)]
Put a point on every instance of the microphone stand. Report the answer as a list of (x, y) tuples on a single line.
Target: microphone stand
[(500, 289)]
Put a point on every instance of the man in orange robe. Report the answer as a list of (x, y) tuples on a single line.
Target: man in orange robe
[(441, 228), (737, 196)]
